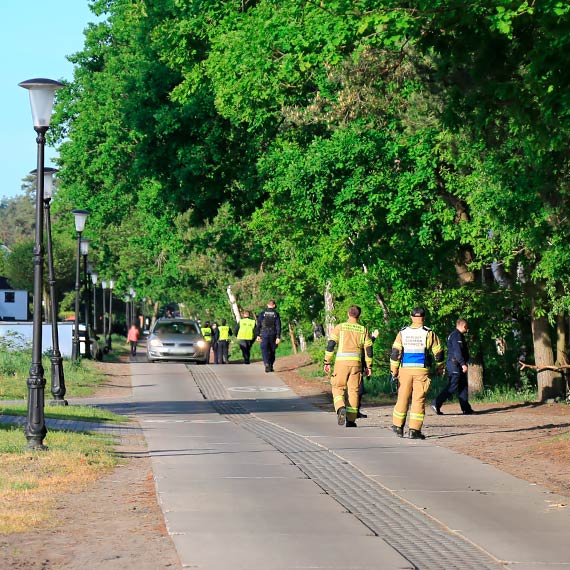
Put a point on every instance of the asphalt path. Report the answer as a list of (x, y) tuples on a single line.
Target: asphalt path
[(251, 476)]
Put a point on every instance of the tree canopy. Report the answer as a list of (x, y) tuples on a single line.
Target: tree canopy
[(405, 152)]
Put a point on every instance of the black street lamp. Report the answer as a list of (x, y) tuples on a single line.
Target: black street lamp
[(80, 218), (133, 307), (57, 376), (104, 287), (84, 246), (127, 312), (94, 276), (111, 285), (42, 92)]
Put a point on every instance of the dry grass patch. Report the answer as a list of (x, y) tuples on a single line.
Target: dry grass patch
[(31, 480)]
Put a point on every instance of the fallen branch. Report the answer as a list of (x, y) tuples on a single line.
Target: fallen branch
[(560, 368)]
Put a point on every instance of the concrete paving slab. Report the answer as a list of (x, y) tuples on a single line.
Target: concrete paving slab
[(287, 552), (222, 482)]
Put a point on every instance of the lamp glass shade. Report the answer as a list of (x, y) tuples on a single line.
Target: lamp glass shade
[(42, 93), (94, 276), (104, 284), (48, 183), (80, 219), (111, 284), (84, 246)]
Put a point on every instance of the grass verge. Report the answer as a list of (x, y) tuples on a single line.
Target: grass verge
[(81, 413), (30, 481)]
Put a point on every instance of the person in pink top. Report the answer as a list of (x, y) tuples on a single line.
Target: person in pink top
[(133, 338)]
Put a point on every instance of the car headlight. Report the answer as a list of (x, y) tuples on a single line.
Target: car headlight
[(201, 344), (155, 342)]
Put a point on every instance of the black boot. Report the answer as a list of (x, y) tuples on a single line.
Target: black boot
[(416, 434), (359, 414), (350, 424), (399, 431), (436, 408)]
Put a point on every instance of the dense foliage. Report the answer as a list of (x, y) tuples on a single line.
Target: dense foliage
[(406, 152)]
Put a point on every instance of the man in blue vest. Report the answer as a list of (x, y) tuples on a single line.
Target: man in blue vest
[(410, 363), (268, 330)]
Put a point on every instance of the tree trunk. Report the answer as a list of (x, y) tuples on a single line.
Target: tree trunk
[(561, 339), (329, 308), (293, 340), (550, 384), (475, 377)]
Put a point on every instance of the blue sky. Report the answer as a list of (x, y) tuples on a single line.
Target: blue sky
[(36, 37)]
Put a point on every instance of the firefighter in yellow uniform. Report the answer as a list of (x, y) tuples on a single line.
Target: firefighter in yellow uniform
[(352, 339), (409, 362)]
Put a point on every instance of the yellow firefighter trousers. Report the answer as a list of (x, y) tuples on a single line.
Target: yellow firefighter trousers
[(346, 376), (414, 383)]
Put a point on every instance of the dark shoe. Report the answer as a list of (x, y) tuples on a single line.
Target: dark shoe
[(436, 409), (350, 424), (267, 368), (399, 431), (271, 369), (416, 434), (361, 415), (468, 412), (341, 416)]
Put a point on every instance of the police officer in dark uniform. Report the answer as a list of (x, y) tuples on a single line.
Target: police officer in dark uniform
[(268, 333), (457, 359)]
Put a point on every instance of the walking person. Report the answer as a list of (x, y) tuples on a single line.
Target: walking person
[(268, 330), (361, 389), (410, 362), (214, 344), (224, 333), (352, 339), (245, 334), (457, 367), (133, 337)]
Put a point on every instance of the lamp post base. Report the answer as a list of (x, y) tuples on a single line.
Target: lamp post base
[(62, 402), (35, 445)]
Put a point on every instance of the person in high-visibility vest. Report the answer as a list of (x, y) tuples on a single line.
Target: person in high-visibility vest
[(352, 339), (245, 334), (410, 363), (224, 333)]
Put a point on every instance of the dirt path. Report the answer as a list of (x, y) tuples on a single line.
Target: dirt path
[(118, 523)]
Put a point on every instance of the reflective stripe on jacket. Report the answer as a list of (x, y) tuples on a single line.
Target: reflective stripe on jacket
[(224, 332), (351, 338), (246, 330)]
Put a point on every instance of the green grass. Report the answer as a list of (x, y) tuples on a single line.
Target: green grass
[(13, 441), (81, 379), (78, 413)]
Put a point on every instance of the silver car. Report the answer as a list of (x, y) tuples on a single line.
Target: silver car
[(177, 339)]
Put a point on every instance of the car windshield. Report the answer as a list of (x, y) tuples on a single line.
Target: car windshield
[(176, 327)]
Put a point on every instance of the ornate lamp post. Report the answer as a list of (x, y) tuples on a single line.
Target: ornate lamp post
[(84, 246), (57, 376), (104, 287), (111, 285), (94, 276), (42, 93), (80, 218), (133, 308)]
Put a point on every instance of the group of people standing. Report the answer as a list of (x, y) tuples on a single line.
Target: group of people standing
[(410, 361), (266, 330), (219, 338)]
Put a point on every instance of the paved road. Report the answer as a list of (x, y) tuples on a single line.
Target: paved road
[(250, 476)]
